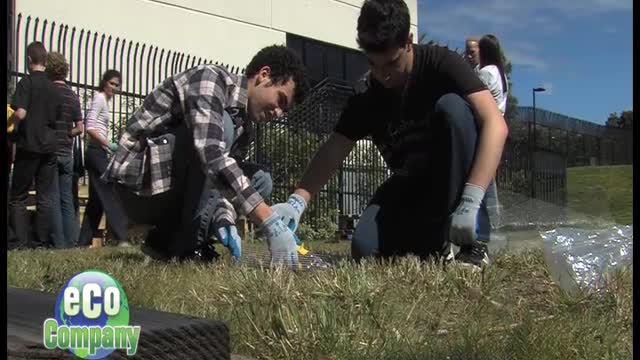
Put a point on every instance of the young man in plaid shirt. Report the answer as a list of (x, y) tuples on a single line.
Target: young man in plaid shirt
[(173, 168)]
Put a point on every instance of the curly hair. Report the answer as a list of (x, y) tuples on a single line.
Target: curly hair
[(383, 25), (285, 64), (57, 66)]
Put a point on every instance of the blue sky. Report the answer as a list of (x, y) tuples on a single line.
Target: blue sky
[(580, 50)]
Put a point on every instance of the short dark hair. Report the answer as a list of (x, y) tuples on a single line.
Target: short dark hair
[(57, 66), (285, 64), (108, 75), (37, 52), (383, 25), (491, 54)]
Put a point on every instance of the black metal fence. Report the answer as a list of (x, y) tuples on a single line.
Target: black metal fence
[(287, 145), (91, 53), (583, 143)]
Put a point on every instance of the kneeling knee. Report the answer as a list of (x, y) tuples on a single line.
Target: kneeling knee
[(365, 242)]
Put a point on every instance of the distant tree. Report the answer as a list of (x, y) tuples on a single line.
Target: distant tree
[(623, 121), (613, 120)]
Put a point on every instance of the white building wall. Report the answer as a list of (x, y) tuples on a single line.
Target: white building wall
[(230, 31)]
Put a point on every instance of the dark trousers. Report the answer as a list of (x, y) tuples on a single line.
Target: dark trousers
[(102, 199), (410, 214), (177, 215), (27, 167), (182, 217)]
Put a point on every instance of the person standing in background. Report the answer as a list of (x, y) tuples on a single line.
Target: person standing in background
[(69, 125), (34, 121), (492, 70), (101, 195), (471, 52)]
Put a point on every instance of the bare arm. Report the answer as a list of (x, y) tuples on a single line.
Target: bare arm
[(493, 134), (260, 213), (78, 129), (16, 118), (96, 135), (19, 115), (324, 163)]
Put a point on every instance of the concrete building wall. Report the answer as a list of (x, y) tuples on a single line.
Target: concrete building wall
[(230, 31)]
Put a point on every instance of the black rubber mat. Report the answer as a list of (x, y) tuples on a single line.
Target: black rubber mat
[(163, 335)]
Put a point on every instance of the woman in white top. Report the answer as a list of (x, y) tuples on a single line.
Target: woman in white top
[(492, 70), (101, 194), (492, 74)]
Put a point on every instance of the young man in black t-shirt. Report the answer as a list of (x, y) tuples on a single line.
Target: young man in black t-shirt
[(439, 131), (36, 110)]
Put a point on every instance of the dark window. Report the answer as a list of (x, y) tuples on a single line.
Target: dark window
[(325, 60), (356, 66), (335, 63), (314, 60), (297, 44)]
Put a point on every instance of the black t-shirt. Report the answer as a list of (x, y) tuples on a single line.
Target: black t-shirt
[(400, 125), (69, 114), (36, 133)]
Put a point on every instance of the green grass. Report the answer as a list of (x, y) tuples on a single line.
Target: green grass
[(603, 191), (405, 310)]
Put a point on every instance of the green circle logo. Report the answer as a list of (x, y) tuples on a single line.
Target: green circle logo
[(91, 318)]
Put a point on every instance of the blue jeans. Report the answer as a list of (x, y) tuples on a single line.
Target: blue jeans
[(66, 227)]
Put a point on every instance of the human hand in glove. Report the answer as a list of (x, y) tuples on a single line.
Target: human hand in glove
[(464, 220), (230, 238), (291, 211), (262, 183), (281, 240)]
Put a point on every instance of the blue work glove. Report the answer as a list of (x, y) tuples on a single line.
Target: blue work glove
[(113, 147), (281, 240), (262, 183), (464, 220), (229, 237), (291, 211)]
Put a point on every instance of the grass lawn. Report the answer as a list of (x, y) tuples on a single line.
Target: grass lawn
[(405, 310), (603, 191)]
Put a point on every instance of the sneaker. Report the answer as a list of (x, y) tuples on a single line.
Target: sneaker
[(449, 257), (476, 256)]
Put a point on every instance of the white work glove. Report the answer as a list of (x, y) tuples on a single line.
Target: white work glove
[(291, 211), (281, 240), (464, 220)]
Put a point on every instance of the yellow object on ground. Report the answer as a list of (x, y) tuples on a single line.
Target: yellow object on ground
[(302, 251)]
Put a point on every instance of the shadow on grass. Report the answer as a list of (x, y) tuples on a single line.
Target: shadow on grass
[(126, 256)]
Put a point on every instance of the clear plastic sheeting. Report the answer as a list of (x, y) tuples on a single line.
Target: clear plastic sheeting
[(580, 257)]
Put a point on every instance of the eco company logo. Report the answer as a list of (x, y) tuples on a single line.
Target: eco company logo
[(92, 318)]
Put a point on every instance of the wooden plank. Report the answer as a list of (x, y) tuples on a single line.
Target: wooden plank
[(174, 335)]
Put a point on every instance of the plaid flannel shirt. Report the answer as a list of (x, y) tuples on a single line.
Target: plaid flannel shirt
[(197, 96)]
